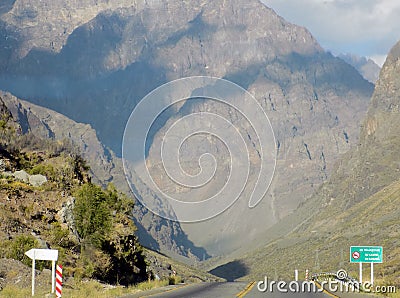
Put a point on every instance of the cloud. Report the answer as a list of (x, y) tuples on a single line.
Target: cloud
[(363, 27)]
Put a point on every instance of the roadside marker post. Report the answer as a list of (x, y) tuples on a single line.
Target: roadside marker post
[(296, 275), (58, 281), (42, 255)]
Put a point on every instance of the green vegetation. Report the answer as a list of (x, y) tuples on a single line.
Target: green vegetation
[(92, 214), (16, 248), (174, 280), (109, 249)]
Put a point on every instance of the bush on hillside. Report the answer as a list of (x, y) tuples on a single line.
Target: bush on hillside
[(109, 249)]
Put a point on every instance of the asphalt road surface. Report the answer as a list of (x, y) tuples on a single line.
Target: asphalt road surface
[(220, 290)]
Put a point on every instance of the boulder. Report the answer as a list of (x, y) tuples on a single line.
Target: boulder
[(37, 180), (21, 175)]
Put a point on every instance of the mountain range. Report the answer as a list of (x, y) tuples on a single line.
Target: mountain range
[(93, 61)]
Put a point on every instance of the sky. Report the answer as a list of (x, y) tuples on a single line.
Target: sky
[(363, 27)]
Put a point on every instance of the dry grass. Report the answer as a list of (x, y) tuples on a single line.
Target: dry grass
[(84, 289), (14, 292)]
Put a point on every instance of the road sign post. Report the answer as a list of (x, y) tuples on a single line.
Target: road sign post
[(372, 273), (59, 281), (366, 254), (53, 277), (33, 275), (43, 255)]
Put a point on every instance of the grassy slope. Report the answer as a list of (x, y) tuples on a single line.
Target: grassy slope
[(374, 221)]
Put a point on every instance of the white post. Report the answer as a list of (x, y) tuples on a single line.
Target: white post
[(372, 273), (296, 275), (33, 275), (53, 275), (360, 272)]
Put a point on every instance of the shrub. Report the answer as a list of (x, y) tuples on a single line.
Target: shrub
[(16, 248), (174, 280), (109, 249), (44, 169)]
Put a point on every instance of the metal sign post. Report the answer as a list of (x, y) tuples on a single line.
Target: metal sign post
[(372, 273), (43, 255)]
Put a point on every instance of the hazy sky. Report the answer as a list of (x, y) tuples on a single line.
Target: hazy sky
[(363, 27)]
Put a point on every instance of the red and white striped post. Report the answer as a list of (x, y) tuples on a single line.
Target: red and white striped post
[(307, 275), (58, 281)]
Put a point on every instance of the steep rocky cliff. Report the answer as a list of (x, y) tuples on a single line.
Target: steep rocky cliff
[(374, 163), (94, 60), (357, 205)]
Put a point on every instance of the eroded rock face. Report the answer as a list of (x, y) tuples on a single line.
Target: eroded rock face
[(93, 63)]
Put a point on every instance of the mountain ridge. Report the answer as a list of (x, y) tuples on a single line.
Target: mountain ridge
[(366, 66)]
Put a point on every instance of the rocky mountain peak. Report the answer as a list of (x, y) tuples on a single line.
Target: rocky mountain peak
[(366, 66)]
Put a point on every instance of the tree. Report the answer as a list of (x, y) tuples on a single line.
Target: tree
[(109, 248), (92, 214)]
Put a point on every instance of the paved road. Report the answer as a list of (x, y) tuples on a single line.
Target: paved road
[(220, 290), (200, 290)]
